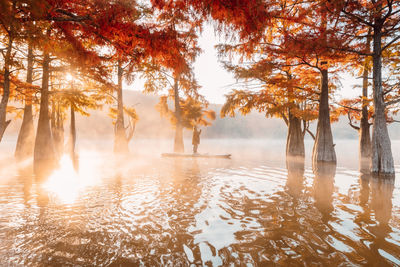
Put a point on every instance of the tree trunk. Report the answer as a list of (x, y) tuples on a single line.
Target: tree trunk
[(364, 135), (382, 159), (60, 129), (324, 150), (6, 89), (178, 142), (295, 138), (120, 140), (53, 126), (26, 136), (57, 129), (72, 132), (44, 153)]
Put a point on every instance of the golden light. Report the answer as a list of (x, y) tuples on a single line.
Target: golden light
[(65, 184), (69, 77)]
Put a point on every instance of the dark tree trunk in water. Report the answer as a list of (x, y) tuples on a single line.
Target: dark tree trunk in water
[(57, 129), (382, 159), (324, 150), (295, 138), (44, 153), (54, 129), (120, 140), (178, 142), (364, 135), (72, 132), (6, 89), (26, 136), (60, 130)]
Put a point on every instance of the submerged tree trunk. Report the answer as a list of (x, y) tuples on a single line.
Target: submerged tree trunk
[(120, 140), (178, 142), (57, 129), (324, 150), (72, 132), (54, 129), (26, 135), (53, 126), (44, 153), (365, 147), (6, 89), (295, 138), (73, 155), (364, 134), (382, 159), (60, 129)]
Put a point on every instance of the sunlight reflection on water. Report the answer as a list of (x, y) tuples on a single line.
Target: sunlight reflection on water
[(66, 182), (148, 210)]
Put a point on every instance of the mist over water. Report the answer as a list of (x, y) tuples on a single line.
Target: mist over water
[(144, 209)]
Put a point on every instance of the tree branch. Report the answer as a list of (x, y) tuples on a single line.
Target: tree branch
[(392, 102), (310, 133), (351, 122), (391, 42)]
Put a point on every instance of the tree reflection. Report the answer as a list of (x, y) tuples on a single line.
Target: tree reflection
[(364, 189), (381, 202), (365, 216), (323, 188), (381, 205), (179, 212), (156, 214), (26, 178), (186, 176), (295, 176)]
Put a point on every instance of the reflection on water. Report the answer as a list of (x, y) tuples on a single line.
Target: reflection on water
[(176, 212), (323, 188)]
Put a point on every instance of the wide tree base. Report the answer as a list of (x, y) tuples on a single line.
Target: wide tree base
[(383, 175), (365, 165), (382, 159), (324, 169)]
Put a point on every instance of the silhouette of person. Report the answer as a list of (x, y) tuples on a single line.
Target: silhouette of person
[(195, 139)]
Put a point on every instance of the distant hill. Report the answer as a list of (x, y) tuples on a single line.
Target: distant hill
[(152, 125)]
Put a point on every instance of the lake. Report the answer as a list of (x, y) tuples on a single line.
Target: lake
[(251, 210)]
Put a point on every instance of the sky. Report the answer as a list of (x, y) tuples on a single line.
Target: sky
[(210, 74), (216, 81)]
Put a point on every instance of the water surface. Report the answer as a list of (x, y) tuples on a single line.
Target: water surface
[(147, 210)]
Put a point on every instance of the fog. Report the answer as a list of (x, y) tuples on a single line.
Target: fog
[(151, 125)]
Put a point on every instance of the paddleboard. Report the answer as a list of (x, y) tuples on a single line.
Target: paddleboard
[(183, 155)]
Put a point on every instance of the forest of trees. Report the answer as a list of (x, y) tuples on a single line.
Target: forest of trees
[(66, 56)]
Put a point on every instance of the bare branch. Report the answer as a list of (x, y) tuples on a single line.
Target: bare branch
[(351, 122), (310, 133), (391, 42)]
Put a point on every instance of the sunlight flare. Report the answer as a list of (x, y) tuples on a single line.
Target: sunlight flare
[(65, 184)]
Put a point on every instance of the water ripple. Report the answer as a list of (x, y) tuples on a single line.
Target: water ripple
[(202, 212)]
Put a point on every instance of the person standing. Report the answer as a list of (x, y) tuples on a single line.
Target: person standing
[(195, 139)]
